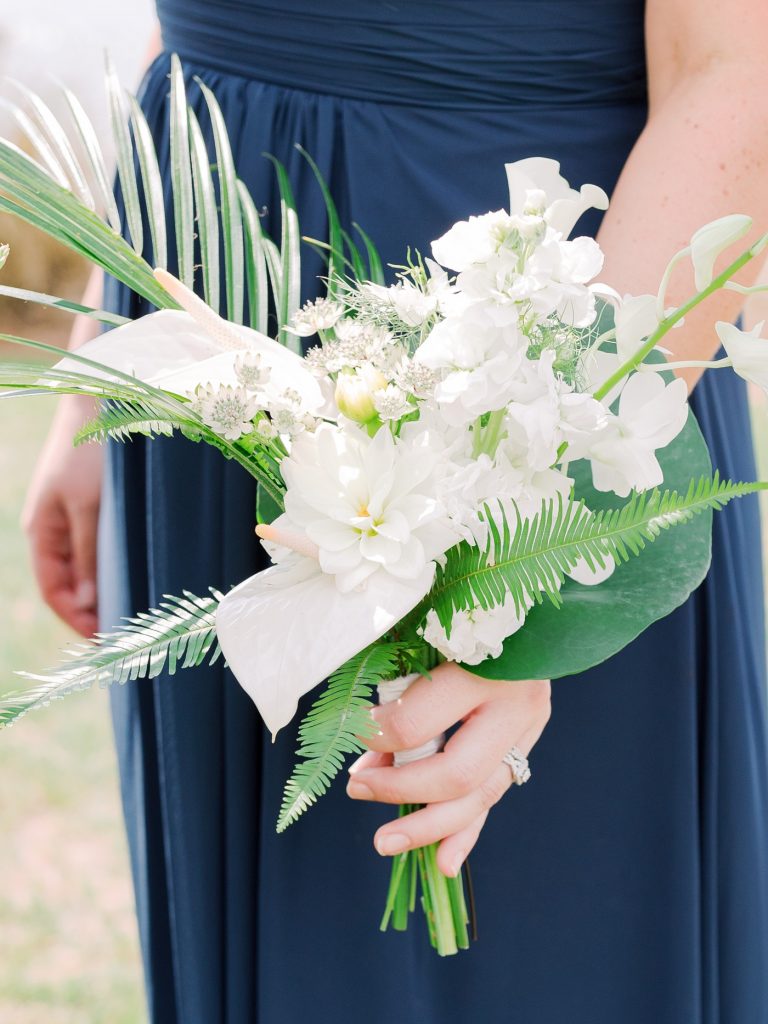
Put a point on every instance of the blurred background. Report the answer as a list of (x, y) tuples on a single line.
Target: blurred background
[(68, 943)]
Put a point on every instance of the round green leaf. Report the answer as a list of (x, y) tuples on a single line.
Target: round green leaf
[(596, 622)]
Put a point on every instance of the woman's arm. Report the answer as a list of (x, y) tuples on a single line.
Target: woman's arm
[(703, 154)]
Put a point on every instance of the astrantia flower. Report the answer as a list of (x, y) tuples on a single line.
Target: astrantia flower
[(476, 634), (251, 371), (415, 378), (391, 403), (227, 410), (320, 315), (651, 415), (367, 503), (747, 351)]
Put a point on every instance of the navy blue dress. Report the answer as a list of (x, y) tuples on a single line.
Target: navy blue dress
[(629, 881)]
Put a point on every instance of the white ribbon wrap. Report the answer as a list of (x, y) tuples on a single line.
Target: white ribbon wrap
[(393, 689)]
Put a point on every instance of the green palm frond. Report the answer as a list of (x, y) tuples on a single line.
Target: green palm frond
[(179, 634), (530, 558), (42, 299), (334, 724)]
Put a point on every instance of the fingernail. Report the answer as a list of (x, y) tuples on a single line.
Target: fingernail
[(359, 790), (454, 867), (85, 595), (391, 843), (355, 766)]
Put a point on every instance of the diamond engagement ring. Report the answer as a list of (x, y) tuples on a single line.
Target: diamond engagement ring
[(518, 765)]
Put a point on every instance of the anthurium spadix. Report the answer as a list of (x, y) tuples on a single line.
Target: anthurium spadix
[(287, 628), (178, 350)]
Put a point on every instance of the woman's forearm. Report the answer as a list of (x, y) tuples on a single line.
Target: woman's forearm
[(703, 154)]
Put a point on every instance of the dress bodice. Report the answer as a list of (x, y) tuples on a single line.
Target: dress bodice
[(456, 53)]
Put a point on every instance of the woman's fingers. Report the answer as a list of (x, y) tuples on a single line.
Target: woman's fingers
[(437, 821), (430, 706), (469, 758), (455, 849)]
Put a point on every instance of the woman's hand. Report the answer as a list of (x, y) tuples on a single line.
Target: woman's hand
[(61, 515), (460, 784)]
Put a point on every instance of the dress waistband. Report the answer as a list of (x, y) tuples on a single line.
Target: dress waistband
[(442, 53)]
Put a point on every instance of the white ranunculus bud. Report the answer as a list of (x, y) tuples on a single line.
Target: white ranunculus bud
[(709, 241), (355, 391)]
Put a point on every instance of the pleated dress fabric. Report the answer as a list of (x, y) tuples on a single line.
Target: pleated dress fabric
[(629, 880)]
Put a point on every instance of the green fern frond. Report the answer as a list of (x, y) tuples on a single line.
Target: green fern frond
[(334, 724), (530, 559), (181, 633), (120, 419)]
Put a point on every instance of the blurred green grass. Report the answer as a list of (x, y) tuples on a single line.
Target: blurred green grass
[(68, 942)]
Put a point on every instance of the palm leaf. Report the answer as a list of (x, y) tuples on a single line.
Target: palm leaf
[(120, 419), (290, 260), (153, 184), (41, 299), (181, 175), (180, 633), (96, 164), (532, 559), (206, 214), (335, 238), (124, 153), (255, 262), (231, 221), (334, 725)]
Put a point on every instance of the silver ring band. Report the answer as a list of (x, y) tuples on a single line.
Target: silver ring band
[(517, 763)]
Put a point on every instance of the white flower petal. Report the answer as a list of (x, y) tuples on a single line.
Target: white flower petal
[(287, 628), (710, 240)]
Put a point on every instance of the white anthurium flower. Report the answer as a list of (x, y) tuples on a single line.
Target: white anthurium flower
[(651, 414), (747, 351), (710, 240), (178, 350), (563, 204), (289, 627), (636, 319), (367, 503), (478, 354)]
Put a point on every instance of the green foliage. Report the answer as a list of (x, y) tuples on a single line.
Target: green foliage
[(119, 419), (531, 559), (334, 724), (179, 634)]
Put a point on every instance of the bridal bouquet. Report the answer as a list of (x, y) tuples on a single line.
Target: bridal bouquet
[(481, 462)]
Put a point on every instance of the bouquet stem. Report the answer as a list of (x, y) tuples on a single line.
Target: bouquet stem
[(442, 899)]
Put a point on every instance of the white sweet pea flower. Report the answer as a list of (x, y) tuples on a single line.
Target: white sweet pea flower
[(709, 241), (367, 503), (478, 354), (563, 204), (475, 635), (747, 351), (651, 414)]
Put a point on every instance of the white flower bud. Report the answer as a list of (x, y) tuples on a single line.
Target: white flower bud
[(709, 241), (355, 391)]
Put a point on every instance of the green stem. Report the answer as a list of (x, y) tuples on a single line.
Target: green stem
[(684, 364), (669, 322)]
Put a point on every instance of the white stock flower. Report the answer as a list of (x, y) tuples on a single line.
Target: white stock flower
[(319, 315), (710, 240), (473, 241), (227, 410), (367, 503), (478, 354), (747, 351), (562, 204), (476, 634), (651, 414)]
